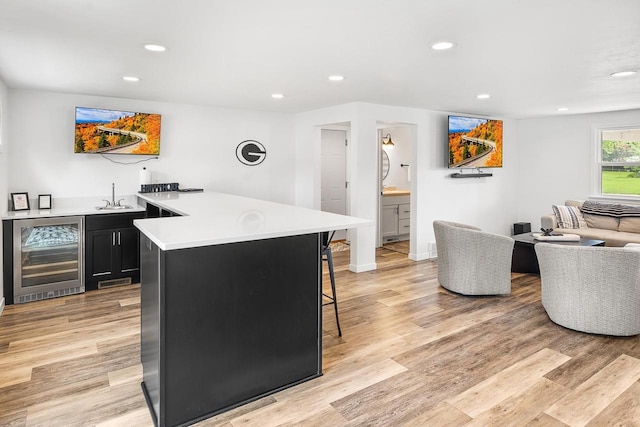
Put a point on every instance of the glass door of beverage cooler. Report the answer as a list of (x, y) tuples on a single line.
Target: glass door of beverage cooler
[(47, 258)]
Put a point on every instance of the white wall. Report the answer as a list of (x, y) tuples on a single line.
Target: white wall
[(434, 194), (4, 167), (483, 202), (556, 158), (546, 160), (197, 149)]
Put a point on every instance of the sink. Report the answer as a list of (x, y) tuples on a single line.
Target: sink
[(112, 205), (113, 208)]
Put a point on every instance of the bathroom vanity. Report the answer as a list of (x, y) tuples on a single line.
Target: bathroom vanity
[(396, 215)]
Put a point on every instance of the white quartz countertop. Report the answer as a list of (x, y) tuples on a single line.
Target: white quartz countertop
[(216, 218), (74, 206)]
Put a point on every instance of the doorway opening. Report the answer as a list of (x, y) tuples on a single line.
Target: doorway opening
[(395, 157)]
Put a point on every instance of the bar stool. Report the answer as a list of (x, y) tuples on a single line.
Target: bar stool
[(326, 256)]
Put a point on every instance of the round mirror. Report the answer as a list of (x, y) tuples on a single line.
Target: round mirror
[(385, 165)]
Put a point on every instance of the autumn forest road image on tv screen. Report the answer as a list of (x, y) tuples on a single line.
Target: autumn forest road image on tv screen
[(475, 142), (116, 132)]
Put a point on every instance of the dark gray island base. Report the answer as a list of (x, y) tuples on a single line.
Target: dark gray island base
[(226, 324)]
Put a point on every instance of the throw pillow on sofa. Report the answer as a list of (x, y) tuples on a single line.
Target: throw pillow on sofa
[(569, 217)]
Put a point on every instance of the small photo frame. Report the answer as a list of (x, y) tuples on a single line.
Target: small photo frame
[(44, 201), (20, 201)]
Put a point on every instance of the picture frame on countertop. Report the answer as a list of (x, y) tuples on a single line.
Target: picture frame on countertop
[(44, 201), (20, 201)]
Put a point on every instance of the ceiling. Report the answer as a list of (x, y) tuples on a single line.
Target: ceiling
[(532, 57)]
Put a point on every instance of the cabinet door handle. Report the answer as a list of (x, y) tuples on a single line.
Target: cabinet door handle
[(118, 238), (113, 238)]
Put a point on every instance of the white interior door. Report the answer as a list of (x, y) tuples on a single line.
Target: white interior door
[(333, 191)]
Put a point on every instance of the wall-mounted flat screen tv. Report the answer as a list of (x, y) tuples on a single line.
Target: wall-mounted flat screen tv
[(475, 142), (116, 132)]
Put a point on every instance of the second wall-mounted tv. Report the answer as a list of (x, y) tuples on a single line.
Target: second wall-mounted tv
[(116, 132), (475, 142)]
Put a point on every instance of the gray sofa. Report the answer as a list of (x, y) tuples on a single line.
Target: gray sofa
[(617, 230)]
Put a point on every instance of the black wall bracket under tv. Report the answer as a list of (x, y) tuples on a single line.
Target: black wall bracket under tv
[(471, 175)]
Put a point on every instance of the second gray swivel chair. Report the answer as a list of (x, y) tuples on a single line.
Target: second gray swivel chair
[(472, 261), (591, 289)]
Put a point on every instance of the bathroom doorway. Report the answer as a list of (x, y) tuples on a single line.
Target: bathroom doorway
[(395, 142)]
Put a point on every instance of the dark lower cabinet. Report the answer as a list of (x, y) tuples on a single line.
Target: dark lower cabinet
[(224, 325), (112, 254)]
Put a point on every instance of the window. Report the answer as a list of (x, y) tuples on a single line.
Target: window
[(619, 160)]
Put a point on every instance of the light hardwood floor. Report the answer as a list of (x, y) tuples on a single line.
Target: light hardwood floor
[(411, 354)]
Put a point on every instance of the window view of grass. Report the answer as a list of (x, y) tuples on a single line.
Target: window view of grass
[(621, 161), (620, 182)]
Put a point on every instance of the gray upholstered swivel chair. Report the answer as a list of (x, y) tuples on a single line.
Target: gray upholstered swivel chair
[(472, 261), (591, 289)]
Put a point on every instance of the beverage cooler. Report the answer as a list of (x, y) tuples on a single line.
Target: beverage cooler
[(48, 257)]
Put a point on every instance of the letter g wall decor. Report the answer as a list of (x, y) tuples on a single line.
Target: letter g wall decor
[(251, 152)]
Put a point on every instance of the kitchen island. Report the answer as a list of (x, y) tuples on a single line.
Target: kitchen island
[(230, 301)]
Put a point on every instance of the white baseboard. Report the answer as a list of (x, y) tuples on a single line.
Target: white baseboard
[(362, 268), (419, 257), (1, 306)]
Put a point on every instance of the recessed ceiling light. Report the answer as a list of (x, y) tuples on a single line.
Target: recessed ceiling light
[(336, 78), (155, 47), (442, 46), (277, 96), (563, 109), (131, 79), (623, 74), (484, 96)]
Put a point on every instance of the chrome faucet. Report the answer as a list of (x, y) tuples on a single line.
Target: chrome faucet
[(113, 202)]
